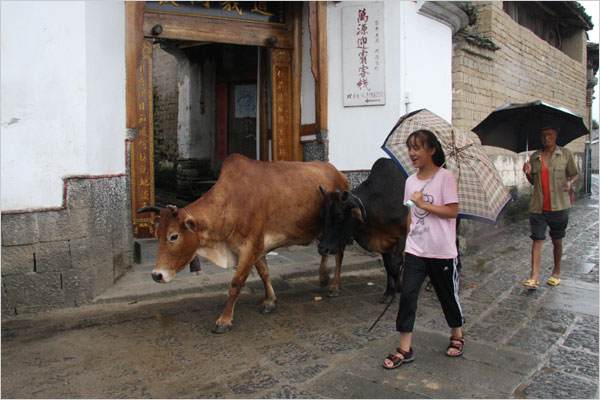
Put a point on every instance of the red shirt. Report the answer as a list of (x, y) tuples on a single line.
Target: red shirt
[(546, 206)]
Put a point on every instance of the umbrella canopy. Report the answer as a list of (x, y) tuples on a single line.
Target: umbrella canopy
[(481, 193), (515, 126)]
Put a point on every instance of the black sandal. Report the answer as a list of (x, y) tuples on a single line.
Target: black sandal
[(397, 361), (458, 346)]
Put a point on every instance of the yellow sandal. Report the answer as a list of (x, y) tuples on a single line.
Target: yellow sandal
[(553, 281), (530, 283)]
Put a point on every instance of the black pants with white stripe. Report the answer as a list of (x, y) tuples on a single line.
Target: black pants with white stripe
[(444, 277)]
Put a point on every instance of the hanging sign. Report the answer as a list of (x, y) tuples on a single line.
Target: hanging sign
[(363, 55)]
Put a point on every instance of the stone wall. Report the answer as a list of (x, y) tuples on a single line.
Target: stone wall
[(165, 95), (66, 257), (498, 61)]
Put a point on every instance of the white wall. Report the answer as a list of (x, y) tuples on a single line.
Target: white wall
[(418, 60), (62, 97), (105, 79)]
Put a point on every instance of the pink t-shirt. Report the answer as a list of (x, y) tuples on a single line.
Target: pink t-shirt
[(431, 236)]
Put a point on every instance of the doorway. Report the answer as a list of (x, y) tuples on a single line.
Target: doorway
[(206, 106)]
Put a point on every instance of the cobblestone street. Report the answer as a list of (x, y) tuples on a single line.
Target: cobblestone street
[(520, 343)]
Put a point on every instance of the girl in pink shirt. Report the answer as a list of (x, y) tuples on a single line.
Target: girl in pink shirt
[(430, 245)]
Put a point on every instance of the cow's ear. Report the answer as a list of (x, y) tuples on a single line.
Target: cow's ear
[(323, 191), (357, 214), (190, 223)]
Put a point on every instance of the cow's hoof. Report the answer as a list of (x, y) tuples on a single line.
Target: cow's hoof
[(333, 293), (220, 328), (324, 281), (385, 299), (267, 309)]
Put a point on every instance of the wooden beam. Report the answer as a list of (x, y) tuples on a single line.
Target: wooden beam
[(203, 29)]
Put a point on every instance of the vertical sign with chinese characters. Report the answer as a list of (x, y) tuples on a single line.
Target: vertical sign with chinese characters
[(281, 78), (142, 148), (363, 55)]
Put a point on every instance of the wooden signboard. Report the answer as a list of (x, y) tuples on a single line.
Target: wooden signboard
[(281, 78), (142, 148)]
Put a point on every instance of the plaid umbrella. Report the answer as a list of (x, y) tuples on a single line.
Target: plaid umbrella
[(481, 193)]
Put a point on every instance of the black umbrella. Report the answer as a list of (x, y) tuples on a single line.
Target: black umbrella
[(515, 126)]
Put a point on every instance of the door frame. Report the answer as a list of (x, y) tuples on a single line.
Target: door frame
[(286, 39)]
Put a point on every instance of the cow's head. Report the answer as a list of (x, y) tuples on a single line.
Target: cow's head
[(341, 213), (177, 241)]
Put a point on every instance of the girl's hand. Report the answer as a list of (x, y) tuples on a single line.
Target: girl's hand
[(569, 186), (417, 199)]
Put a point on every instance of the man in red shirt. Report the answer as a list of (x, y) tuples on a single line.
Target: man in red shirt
[(552, 172)]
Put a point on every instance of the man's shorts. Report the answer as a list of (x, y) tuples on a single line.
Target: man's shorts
[(556, 220)]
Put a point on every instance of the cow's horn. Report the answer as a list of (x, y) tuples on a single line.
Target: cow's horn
[(323, 190), (173, 210), (154, 209)]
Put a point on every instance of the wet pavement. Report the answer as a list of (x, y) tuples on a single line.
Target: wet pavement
[(145, 340)]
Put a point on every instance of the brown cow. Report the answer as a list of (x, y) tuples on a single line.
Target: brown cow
[(253, 208)]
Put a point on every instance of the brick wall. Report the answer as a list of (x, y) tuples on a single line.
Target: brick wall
[(525, 68)]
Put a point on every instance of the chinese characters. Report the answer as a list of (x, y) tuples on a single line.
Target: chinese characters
[(363, 50), (363, 54)]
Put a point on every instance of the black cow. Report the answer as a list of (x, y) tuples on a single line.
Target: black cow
[(373, 214)]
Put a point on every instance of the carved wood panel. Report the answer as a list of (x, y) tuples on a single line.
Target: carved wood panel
[(281, 81), (142, 148)]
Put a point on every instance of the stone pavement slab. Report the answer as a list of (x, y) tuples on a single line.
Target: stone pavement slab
[(573, 295)]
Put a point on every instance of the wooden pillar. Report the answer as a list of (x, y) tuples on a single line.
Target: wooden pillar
[(322, 83), (134, 21), (317, 22)]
